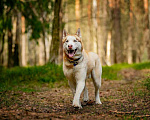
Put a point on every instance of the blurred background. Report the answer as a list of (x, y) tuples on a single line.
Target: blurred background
[(31, 30)]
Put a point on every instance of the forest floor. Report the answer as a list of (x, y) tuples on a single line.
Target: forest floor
[(121, 99)]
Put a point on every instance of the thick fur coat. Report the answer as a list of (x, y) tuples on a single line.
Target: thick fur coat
[(78, 65)]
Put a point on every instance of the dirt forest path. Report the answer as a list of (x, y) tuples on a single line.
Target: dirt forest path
[(121, 99)]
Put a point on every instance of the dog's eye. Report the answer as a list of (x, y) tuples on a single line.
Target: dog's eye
[(66, 40), (75, 41)]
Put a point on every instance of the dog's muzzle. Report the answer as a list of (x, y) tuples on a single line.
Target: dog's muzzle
[(71, 53)]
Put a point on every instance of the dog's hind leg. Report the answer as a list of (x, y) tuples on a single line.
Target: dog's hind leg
[(96, 76), (85, 95), (72, 86)]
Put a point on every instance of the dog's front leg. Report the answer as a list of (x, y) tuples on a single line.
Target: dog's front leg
[(80, 84), (79, 89)]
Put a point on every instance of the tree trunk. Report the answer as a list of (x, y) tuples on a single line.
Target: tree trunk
[(77, 13), (139, 26), (41, 52), (10, 53), (60, 58), (2, 48), (149, 29), (23, 43), (90, 40), (117, 33), (94, 28), (54, 48), (108, 49), (101, 29), (45, 56), (130, 33), (17, 54)]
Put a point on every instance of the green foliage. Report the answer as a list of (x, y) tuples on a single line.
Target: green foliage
[(109, 73), (37, 14), (112, 72), (27, 79), (139, 66), (147, 83)]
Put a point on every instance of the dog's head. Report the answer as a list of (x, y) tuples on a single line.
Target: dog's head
[(72, 44)]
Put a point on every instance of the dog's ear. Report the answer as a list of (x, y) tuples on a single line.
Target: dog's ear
[(64, 33), (78, 33)]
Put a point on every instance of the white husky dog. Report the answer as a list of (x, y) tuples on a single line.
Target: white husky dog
[(78, 65)]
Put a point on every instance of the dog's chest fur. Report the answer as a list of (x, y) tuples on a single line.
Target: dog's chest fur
[(84, 66)]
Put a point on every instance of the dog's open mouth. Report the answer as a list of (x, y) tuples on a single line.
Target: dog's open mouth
[(71, 53)]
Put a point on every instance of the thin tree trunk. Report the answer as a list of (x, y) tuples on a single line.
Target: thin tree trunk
[(90, 42), (110, 4), (99, 30), (23, 43), (117, 35), (106, 28), (149, 29), (77, 13), (2, 48), (17, 49), (130, 33), (54, 48), (138, 41), (10, 53), (45, 56), (41, 53), (60, 58), (95, 42), (108, 51), (146, 37)]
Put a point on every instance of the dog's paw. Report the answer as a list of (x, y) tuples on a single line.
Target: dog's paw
[(98, 102), (77, 106), (85, 99)]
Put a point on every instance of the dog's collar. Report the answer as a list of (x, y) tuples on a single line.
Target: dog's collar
[(76, 61)]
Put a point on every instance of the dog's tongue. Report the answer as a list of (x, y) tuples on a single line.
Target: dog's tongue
[(71, 54)]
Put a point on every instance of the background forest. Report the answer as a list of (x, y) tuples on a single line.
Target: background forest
[(31, 30), (32, 83)]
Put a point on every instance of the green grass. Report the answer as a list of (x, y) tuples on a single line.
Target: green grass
[(112, 72), (147, 84), (140, 66), (30, 79)]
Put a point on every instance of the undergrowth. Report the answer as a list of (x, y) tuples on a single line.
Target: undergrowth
[(147, 84), (30, 79), (112, 72)]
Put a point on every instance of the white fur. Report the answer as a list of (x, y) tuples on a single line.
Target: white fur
[(88, 64)]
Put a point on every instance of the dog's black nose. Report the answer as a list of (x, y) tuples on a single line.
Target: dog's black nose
[(70, 46)]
